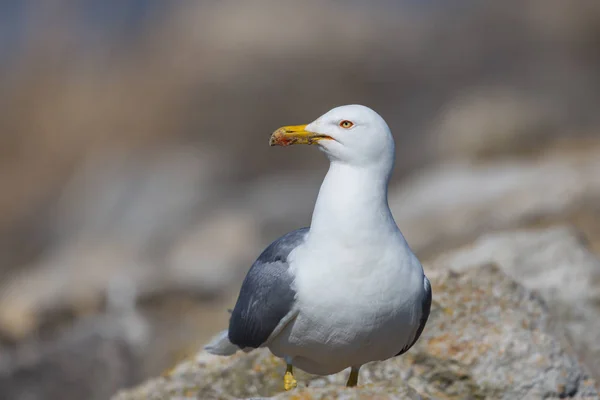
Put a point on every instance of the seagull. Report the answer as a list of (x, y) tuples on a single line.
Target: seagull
[(347, 290)]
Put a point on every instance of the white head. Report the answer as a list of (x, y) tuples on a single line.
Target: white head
[(352, 134)]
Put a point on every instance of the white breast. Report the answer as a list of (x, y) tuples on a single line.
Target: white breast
[(359, 288), (356, 305)]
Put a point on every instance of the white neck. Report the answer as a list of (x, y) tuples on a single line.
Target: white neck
[(352, 204)]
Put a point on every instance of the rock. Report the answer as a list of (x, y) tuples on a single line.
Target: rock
[(554, 263), (114, 227), (115, 220), (206, 259), (489, 123), (450, 205), (487, 337), (91, 360), (138, 199), (73, 279)]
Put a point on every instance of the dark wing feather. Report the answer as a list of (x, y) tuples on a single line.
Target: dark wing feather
[(425, 308), (266, 296)]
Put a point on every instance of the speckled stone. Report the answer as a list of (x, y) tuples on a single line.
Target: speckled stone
[(487, 338), (555, 263)]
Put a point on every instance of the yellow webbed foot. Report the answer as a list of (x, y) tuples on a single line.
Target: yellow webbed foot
[(289, 382)]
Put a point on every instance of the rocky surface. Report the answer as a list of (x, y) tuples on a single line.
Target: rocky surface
[(555, 263), (513, 122), (487, 338), (90, 360), (448, 205), (95, 355)]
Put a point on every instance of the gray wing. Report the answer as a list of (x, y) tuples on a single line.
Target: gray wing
[(266, 296), (425, 308)]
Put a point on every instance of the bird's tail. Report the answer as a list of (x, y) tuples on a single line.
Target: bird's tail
[(220, 345)]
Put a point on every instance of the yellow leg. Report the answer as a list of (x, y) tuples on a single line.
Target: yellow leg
[(289, 382), (353, 378)]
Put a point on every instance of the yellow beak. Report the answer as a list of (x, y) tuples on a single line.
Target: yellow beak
[(296, 134)]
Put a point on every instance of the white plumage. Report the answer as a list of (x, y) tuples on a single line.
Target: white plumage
[(359, 293)]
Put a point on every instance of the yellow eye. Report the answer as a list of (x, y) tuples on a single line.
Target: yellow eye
[(346, 124)]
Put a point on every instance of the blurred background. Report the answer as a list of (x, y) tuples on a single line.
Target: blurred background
[(137, 186)]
